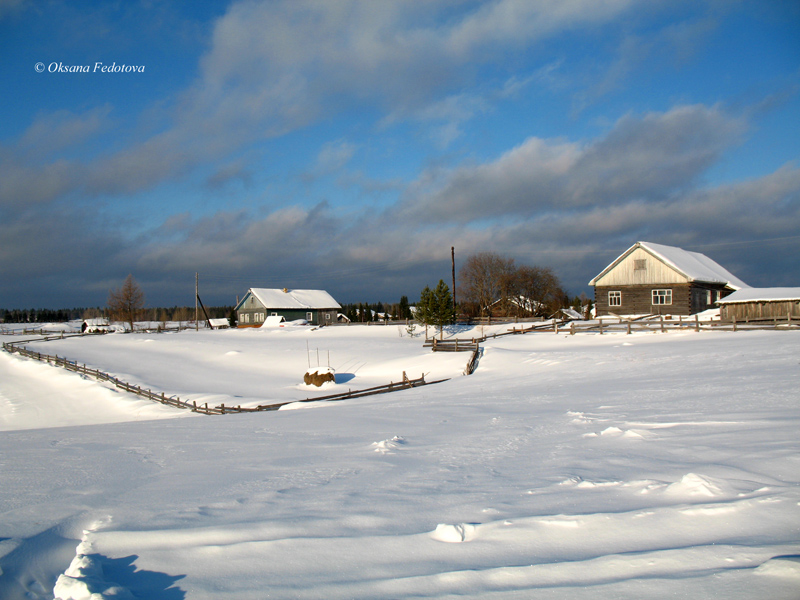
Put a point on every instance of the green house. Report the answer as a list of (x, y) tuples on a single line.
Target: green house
[(315, 306)]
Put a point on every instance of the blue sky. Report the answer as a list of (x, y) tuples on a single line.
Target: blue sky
[(348, 145)]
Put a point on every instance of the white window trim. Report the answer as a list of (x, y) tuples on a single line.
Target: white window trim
[(664, 299), (617, 296)]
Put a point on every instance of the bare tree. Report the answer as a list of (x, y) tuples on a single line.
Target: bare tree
[(127, 302), (482, 278), (539, 289)]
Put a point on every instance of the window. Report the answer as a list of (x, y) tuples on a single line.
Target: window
[(615, 298), (640, 264), (662, 296), (327, 316), (309, 316)]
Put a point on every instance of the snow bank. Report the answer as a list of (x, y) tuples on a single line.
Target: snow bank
[(586, 466)]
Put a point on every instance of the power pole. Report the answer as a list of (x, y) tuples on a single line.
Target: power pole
[(196, 296), (453, 263)]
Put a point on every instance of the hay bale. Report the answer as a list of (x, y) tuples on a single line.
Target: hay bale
[(319, 376)]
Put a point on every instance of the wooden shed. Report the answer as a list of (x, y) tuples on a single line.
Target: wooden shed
[(756, 304), (656, 279), (315, 306)]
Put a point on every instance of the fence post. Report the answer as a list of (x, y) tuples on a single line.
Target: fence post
[(629, 326), (696, 322), (572, 328), (601, 326), (734, 322), (662, 323)]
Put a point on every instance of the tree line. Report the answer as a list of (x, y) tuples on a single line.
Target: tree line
[(489, 285)]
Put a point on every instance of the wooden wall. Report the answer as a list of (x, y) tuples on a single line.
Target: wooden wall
[(638, 299), (654, 271), (753, 311)]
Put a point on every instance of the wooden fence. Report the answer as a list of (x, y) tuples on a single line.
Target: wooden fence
[(59, 361), (650, 323)]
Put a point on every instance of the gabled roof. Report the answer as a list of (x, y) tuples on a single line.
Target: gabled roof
[(292, 299), (777, 294), (692, 265)]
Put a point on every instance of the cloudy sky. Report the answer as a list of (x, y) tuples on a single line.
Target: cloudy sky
[(347, 145)]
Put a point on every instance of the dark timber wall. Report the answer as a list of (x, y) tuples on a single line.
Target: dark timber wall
[(687, 299)]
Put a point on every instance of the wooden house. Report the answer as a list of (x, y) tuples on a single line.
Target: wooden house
[(219, 323), (315, 306), (756, 304), (655, 279)]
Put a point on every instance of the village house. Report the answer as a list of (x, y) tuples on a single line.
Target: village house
[(315, 306), (756, 304), (655, 279)]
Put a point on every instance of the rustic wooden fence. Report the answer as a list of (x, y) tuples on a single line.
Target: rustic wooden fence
[(60, 361), (648, 323)]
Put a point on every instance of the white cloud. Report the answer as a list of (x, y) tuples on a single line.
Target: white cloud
[(645, 157)]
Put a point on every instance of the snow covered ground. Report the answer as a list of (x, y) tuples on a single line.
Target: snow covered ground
[(616, 466)]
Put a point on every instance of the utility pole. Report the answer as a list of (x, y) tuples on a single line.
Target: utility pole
[(196, 296), (453, 263)]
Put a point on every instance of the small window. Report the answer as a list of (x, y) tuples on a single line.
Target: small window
[(274, 314), (709, 298), (640, 264), (327, 316), (662, 296), (309, 316), (615, 298)]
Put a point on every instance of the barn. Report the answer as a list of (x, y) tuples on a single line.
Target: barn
[(757, 304), (656, 279), (315, 306)]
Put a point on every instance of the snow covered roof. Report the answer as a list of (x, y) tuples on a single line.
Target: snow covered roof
[(96, 322), (297, 299), (693, 265), (273, 321), (776, 294)]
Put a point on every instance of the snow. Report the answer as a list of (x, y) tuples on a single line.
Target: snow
[(617, 466), (273, 321), (297, 299), (775, 294), (694, 265)]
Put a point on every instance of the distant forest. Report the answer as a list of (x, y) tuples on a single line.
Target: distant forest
[(46, 315)]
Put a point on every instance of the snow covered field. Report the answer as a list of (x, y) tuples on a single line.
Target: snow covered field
[(616, 466)]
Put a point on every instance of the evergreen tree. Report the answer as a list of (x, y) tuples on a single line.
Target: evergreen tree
[(424, 310), (404, 310), (436, 306)]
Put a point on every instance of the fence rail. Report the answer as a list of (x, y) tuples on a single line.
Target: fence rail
[(161, 397)]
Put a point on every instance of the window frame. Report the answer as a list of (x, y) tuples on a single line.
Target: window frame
[(664, 295), (616, 296)]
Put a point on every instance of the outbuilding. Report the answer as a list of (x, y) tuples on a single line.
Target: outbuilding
[(656, 279), (755, 304), (315, 306)]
